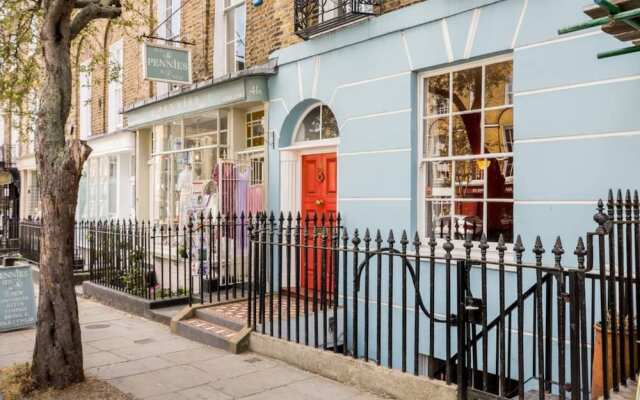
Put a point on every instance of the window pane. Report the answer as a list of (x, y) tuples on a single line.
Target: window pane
[(466, 134), (467, 219), (498, 84), (436, 143), (470, 178), (438, 179), (467, 89), (498, 131), (329, 124), (310, 126), (500, 178), (437, 90), (437, 216), (499, 221), (239, 36)]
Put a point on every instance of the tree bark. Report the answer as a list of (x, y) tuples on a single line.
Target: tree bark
[(57, 358)]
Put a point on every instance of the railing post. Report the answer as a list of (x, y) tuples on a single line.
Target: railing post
[(461, 290)]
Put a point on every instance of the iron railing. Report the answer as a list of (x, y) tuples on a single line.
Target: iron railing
[(204, 260), (29, 242), (497, 323), (312, 17)]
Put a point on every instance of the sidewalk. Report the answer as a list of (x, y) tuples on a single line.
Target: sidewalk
[(144, 359)]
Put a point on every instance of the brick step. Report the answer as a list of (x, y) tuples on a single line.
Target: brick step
[(214, 335), (215, 317)]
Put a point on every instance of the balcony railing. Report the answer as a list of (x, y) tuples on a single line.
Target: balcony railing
[(313, 17)]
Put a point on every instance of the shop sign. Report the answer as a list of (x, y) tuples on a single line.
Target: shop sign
[(17, 298), (166, 64)]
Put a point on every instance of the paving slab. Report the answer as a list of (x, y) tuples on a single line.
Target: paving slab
[(144, 359)]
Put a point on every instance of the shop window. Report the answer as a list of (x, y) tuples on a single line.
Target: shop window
[(185, 154), (115, 118), (235, 22), (317, 124), (255, 128), (467, 152), (85, 100)]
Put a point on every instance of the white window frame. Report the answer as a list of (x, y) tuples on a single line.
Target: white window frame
[(174, 23), (229, 9), (296, 141), (422, 160), (84, 98), (115, 95)]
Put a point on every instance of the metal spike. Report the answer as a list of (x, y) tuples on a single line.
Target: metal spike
[(518, 247), (580, 252), (432, 240), (345, 234), (281, 219), (558, 251), (378, 237), (404, 240), (538, 248), (627, 203), (391, 240), (367, 236), (484, 245), (501, 244), (416, 240)]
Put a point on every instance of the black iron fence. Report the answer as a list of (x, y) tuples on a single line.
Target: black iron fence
[(473, 313), (29, 241), (205, 260)]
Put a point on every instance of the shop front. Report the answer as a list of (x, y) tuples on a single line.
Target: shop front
[(107, 181), (201, 151)]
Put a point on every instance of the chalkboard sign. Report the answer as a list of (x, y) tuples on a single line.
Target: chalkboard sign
[(17, 299)]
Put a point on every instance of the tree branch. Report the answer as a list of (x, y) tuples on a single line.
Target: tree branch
[(91, 10)]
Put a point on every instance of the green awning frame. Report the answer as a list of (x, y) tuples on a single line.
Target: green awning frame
[(611, 23)]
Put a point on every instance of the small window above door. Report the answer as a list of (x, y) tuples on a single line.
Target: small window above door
[(318, 123)]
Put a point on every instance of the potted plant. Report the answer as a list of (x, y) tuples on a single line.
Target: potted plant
[(597, 384)]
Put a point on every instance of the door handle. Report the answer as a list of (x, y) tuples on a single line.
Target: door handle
[(319, 202)]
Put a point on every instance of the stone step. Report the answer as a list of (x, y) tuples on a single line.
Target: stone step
[(216, 316), (214, 335)]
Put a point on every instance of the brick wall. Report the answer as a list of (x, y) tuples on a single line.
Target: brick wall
[(269, 28)]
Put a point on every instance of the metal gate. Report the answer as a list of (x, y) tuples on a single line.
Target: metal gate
[(9, 209)]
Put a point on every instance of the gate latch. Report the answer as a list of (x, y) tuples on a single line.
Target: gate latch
[(475, 309)]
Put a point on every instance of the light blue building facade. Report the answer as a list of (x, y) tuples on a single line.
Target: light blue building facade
[(573, 134)]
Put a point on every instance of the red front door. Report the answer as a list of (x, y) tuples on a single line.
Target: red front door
[(319, 199)]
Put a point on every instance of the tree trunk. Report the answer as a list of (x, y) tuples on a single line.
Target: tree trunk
[(57, 358)]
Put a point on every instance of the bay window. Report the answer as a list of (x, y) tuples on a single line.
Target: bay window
[(466, 159)]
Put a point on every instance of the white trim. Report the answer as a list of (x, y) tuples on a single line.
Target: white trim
[(280, 100), (375, 115), (300, 88), (316, 74), (559, 40), (578, 85), (519, 26), (406, 49), (471, 35), (364, 82), (447, 39), (312, 144), (361, 153), (578, 137), (556, 202), (374, 199)]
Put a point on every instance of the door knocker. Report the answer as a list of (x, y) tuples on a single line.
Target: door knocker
[(320, 175)]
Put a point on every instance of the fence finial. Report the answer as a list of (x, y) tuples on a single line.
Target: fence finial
[(501, 247), (484, 244), (448, 246), (518, 247), (580, 252), (558, 251), (404, 241), (379, 238), (367, 237), (416, 240), (356, 238), (627, 204), (391, 240), (601, 218), (538, 248), (636, 205)]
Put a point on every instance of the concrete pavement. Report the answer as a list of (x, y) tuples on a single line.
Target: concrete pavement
[(143, 358)]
